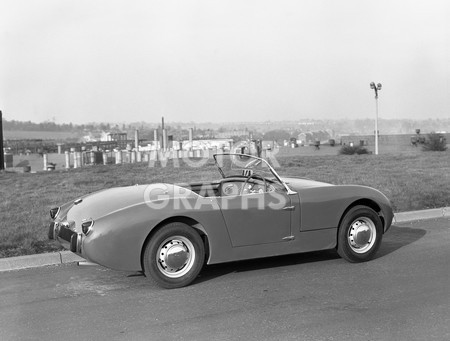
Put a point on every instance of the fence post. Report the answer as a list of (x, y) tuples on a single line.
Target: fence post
[(45, 157), (67, 157)]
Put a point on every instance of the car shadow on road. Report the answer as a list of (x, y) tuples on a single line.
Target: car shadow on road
[(217, 270), (396, 238)]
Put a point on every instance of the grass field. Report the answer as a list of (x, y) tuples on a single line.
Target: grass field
[(413, 181)]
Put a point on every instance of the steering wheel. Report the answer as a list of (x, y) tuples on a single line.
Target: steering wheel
[(255, 176), (231, 186)]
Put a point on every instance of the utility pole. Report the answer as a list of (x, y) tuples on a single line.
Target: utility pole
[(376, 88), (163, 132), (2, 157)]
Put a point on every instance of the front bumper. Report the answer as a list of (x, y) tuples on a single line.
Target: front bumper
[(63, 233)]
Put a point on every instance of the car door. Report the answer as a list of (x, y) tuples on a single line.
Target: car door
[(257, 218)]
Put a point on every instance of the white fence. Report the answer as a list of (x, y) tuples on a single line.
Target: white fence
[(80, 159)]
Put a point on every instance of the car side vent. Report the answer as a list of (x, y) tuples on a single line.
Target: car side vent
[(54, 212), (86, 226)]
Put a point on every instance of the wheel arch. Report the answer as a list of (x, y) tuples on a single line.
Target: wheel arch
[(178, 219), (363, 202)]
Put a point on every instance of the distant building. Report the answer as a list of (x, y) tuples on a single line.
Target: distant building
[(120, 138), (312, 136), (230, 133), (224, 144)]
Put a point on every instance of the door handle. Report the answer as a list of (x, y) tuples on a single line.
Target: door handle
[(289, 208)]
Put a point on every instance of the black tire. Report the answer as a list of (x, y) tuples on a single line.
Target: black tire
[(360, 234), (174, 256)]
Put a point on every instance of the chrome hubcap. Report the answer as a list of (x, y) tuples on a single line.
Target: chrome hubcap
[(362, 235), (175, 256)]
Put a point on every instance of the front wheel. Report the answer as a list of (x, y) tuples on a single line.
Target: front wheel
[(174, 256), (360, 234)]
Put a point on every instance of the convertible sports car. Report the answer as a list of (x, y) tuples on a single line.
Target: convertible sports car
[(169, 231)]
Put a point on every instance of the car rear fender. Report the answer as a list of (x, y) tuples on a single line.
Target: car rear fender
[(182, 219)]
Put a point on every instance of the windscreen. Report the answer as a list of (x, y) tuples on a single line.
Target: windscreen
[(242, 165)]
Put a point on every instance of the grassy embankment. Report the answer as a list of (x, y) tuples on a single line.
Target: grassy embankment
[(412, 182)]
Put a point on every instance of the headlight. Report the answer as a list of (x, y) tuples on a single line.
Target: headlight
[(86, 226), (54, 212)]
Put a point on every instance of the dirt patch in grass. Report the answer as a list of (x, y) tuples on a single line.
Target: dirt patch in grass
[(412, 182)]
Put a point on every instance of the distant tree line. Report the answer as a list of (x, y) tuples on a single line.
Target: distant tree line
[(278, 131), (52, 126)]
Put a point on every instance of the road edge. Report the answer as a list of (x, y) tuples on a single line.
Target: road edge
[(421, 215), (63, 257), (38, 260)]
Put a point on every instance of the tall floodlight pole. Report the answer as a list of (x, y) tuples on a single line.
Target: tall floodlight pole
[(2, 158), (376, 88)]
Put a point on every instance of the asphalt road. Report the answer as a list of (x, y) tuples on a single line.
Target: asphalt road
[(404, 294)]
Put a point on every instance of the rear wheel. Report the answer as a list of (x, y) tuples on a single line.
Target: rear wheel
[(174, 256), (360, 234)]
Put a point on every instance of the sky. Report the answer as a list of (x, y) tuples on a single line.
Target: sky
[(85, 61)]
